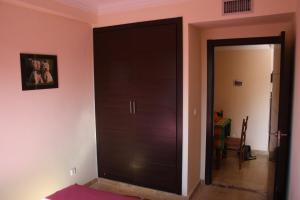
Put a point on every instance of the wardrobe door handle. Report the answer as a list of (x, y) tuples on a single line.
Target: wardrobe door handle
[(134, 107), (130, 107)]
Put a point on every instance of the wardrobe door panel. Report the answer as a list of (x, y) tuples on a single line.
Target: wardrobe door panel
[(155, 79), (113, 95)]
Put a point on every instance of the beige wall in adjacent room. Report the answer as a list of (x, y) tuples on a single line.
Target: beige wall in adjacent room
[(45, 133), (252, 65)]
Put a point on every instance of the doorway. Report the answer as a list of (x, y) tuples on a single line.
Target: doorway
[(243, 88), (278, 123)]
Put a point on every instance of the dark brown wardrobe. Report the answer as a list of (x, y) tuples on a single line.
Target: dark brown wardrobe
[(138, 95)]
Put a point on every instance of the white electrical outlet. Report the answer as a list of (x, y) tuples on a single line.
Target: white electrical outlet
[(73, 171)]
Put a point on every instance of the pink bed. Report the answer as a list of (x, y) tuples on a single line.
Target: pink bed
[(78, 192)]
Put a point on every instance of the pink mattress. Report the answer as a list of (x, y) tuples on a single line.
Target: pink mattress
[(78, 192)]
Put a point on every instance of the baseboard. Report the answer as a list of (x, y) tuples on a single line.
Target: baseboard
[(193, 191), (202, 182), (92, 182), (260, 152), (142, 192)]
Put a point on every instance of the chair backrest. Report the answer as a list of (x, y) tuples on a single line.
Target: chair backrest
[(243, 133)]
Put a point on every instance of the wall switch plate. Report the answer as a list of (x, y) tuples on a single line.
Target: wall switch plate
[(73, 171), (195, 112)]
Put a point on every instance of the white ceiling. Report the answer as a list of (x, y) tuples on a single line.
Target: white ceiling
[(107, 6)]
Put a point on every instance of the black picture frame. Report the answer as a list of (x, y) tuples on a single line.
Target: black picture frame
[(38, 71)]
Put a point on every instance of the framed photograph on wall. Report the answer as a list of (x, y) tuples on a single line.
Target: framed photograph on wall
[(38, 71)]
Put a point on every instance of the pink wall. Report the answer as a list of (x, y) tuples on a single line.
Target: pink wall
[(194, 137), (44, 133), (54, 7), (195, 11), (294, 192), (66, 135)]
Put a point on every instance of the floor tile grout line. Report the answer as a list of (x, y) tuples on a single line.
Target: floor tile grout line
[(239, 188)]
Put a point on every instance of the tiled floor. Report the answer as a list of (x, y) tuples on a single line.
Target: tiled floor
[(132, 190), (229, 183), (256, 175), (220, 193)]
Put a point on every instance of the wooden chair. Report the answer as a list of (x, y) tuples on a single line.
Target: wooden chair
[(238, 144)]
